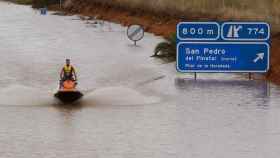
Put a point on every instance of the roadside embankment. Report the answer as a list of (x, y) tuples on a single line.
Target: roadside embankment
[(161, 16), (274, 73), (25, 2), (267, 10)]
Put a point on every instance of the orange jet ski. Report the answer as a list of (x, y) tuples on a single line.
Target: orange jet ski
[(68, 93)]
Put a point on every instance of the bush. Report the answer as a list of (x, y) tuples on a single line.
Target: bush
[(24, 1), (166, 49), (43, 3)]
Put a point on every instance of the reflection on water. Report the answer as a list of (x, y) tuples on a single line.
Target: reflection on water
[(262, 88), (252, 92)]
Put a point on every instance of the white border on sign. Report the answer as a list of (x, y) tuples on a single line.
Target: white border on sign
[(199, 39), (228, 71), (243, 39)]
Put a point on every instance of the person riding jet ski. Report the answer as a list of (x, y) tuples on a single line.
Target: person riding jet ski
[(68, 72), (67, 92)]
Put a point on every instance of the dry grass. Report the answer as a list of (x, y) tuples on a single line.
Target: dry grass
[(265, 10)]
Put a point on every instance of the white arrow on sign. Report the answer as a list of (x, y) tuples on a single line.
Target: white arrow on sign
[(260, 56)]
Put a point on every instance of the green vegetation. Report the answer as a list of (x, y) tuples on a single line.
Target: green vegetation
[(43, 3), (27, 2), (36, 3), (166, 49)]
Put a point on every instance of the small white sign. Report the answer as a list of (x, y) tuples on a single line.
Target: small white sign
[(135, 32)]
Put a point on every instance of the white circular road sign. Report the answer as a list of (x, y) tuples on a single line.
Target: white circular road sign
[(135, 32)]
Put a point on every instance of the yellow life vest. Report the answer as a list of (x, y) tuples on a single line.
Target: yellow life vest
[(68, 69)]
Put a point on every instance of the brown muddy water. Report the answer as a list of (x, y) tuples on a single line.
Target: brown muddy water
[(134, 106)]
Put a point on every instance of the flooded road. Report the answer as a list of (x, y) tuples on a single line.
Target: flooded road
[(135, 106)]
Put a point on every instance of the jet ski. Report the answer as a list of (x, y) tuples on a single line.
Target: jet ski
[(68, 92)]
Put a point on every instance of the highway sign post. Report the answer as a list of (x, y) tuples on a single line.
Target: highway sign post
[(223, 47)]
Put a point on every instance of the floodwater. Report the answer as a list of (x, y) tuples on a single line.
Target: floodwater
[(134, 106)]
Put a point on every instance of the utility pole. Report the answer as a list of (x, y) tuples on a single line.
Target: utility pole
[(60, 4)]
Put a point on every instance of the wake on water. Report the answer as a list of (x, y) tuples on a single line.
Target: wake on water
[(20, 95), (117, 96)]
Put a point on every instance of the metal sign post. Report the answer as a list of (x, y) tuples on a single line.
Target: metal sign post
[(250, 76), (135, 33), (195, 76)]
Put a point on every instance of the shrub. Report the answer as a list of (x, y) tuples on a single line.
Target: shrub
[(43, 3), (24, 1), (166, 49)]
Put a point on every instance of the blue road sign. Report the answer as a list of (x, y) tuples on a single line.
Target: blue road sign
[(223, 57), (43, 11), (198, 31), (245, 31)]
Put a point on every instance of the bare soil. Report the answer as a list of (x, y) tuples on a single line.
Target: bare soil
[(274, 73), (159, 24)]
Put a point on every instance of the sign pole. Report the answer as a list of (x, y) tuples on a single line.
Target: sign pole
[(250, 76), (268, 88), (195, 76)]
